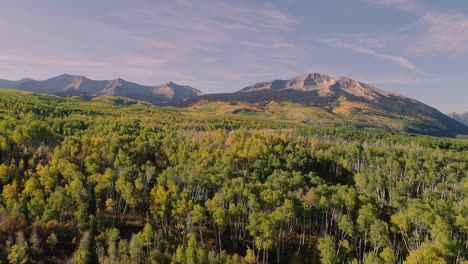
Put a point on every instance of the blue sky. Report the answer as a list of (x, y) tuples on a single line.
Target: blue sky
[(412, 47)]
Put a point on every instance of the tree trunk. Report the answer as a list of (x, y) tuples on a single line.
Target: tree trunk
[(219, 239)]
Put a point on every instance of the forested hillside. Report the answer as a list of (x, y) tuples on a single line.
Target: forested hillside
[(114, 180), (321, 98), (309, 98)]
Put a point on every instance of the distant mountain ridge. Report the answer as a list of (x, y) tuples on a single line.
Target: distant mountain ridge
[(310, 98), (344, 98), (322, 84), (12, 84), (69, 85), (460, 117)]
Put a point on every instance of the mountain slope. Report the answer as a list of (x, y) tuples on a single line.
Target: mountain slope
[(176, 92), (69, 85), (460, 117), (349, 100), (11, 84)]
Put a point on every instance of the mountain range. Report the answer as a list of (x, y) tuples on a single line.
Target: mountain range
[(69, 85), (310, 98)]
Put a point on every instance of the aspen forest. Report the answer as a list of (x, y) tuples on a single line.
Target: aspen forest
[(117, 181)]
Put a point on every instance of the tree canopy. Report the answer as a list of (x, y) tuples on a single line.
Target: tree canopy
[(87, 182)]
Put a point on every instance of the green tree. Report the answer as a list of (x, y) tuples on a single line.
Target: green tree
[(424, 255), (191, 251), (327, 248), (19, 251)]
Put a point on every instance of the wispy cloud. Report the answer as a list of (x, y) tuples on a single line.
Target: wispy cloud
[(357, 45), (139, 61), (210, 60), (404, 5), (276, 19), (49, 61), (442, 32), (339, 43), (435, 31), (268, 45), (207, 23), (403, 62), (134, 61)]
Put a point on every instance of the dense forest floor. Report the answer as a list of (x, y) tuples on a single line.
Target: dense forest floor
[(94, 181)]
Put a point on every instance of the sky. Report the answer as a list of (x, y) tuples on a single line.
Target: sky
[(417, 48)]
